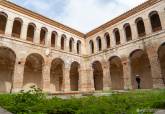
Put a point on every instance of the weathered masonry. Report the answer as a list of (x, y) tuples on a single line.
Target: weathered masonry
[(35, 50)]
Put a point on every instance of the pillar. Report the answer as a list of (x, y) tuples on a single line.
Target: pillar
[(106, 76), (24, 28), (122, 36), (48, 39), (127, 73), (66, 79), (37, 35), (46, 76), (18, 75), (162, 18), (155, 68), (9, 26), (134, 31), (147, 25)]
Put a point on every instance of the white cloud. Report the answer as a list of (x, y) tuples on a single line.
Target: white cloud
[(83, 15), (89, 14)]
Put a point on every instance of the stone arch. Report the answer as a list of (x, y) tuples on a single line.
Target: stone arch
[(63, 38), (161, 57), (56, 74), (97, 75), (140, 27), (17, 25), (116, 73), (117, 36), (91, 46), (7, 64), (3, 22), (99, 43), (71, 44), (128, 32), (53, 38), (33, 71), (108, 40), (30, 32), (43, 34), (155, 21), (140, 66), (74, 76)]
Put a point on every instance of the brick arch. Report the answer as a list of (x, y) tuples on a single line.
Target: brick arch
[(17, 26), (116, 73), (33, 69), (56, 74), (161, 57), (3, 22), (140, 66), (97, 75), (74, 76), (7, 65)]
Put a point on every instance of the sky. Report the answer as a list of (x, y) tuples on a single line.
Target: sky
[(82, 15)]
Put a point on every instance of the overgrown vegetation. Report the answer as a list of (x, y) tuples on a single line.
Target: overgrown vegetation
[(35, 102)]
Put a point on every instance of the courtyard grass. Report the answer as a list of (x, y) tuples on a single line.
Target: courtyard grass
[(35, 102)]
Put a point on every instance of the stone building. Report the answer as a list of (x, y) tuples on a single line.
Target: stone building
[(35, 50)]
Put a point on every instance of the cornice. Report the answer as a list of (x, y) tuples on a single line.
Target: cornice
[(40, 17), (123, 16)]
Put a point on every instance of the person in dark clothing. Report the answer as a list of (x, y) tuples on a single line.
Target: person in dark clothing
[(138, 80)]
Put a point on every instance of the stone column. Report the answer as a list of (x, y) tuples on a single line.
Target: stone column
[(155, 68), (74, 47), (37, 35), (24, 29), (162, 18), (112, 40), (66, 79), (46, 75), (48, 39), (9, 26), (18, 75), (66, 45), (104, 43), (82, 80), (127, 74), (106, 76), (58, 40), (122, 36), (147, 25), (134, 31)]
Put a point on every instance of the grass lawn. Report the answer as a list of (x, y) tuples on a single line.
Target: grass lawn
[(35, 102)]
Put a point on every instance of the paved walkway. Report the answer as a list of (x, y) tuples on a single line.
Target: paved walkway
[(2, 111), (160, 112)]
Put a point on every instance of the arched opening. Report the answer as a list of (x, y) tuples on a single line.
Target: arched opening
[(7, 63), (43, 35), (53, 39), (78, 47), (155, 21), (116, 73), (128, 32), (140, 27), (74, 76), (56, 75), (91, 44), (117, 36), (99, 45), (17, 25), (30, 32), (97, 75), (161, 55), (71, 41), (33, 71), (63, 42), (3, 21), (140, 66), (107, 38)]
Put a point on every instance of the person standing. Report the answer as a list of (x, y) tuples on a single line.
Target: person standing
[(138, 80)]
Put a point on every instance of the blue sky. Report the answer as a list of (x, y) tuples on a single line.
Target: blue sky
[(83, 15)]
